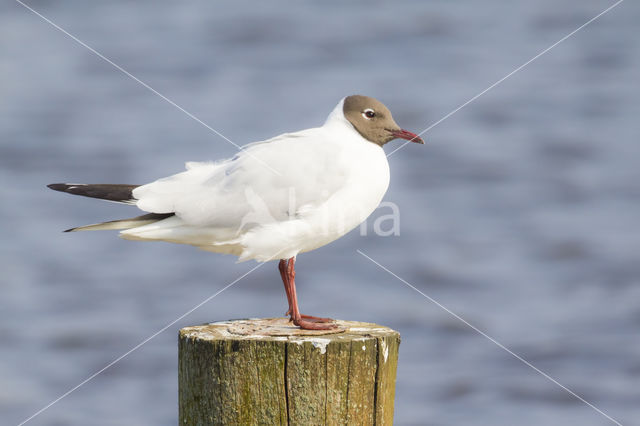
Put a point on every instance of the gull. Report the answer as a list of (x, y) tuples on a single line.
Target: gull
[(272, 201)]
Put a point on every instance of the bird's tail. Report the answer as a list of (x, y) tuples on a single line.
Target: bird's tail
[(133, 222), (108, 192)]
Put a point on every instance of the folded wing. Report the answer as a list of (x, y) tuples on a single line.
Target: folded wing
[(267, 182)]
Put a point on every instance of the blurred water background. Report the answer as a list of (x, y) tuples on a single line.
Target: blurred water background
[(520, 213)]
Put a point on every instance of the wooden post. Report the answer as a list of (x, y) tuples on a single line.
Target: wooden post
[(267, 371)]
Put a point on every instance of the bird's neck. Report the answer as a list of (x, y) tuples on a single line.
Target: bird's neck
[(337, 115)]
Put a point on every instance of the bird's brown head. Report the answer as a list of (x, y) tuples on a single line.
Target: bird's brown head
[(373, 120)]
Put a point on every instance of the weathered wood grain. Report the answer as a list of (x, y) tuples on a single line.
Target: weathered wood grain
[(266, 371)]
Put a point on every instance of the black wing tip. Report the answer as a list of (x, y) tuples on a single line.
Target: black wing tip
[(64, 187), (69, 230), (58, 186), (111, 192)]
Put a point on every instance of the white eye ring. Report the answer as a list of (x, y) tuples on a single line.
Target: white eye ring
[(368, 113)]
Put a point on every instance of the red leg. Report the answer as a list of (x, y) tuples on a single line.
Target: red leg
[(282, 266), (305, 322)]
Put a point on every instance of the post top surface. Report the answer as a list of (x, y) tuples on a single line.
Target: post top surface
[(281, 329)]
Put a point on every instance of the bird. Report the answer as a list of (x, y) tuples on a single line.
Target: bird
[(273, 200)]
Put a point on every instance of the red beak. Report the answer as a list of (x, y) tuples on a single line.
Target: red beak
[(405, 134)]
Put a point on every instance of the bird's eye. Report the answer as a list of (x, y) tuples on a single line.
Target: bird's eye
[(369, 113)]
